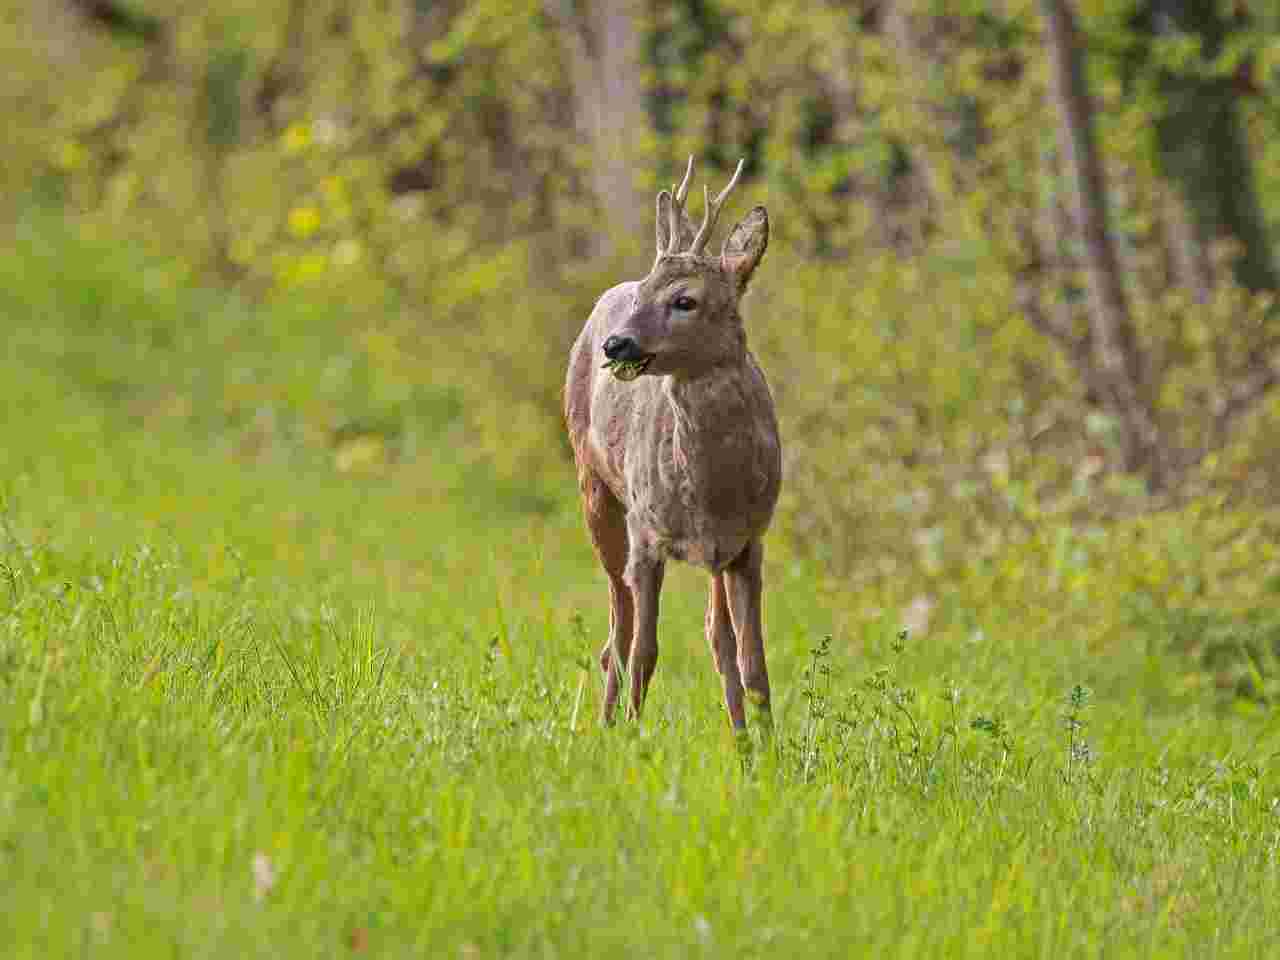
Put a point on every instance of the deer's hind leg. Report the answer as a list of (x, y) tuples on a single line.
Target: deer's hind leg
[(743, 584), (724, 649), (607, 521)]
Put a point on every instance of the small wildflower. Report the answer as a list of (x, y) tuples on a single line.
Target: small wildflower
[(1082, 752), (347, 252), (70, 156), (297, 138), (304, 221), (309, 267), (264, 876), (333, 188), (702, 926)]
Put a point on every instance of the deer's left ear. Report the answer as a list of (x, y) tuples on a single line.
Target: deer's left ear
[(744, 247)]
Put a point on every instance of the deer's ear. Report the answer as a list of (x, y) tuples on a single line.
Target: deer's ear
[(664, 222), (744, 247)]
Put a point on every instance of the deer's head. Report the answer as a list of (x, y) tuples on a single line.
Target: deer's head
[(684, 319)]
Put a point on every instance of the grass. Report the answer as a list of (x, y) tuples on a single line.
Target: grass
[(255, 701)]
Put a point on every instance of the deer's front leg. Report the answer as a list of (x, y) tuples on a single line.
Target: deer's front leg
[(613, 658), (644, 576), (724, 650), (744, 584)]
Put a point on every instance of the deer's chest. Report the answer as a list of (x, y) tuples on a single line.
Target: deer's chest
[(701, 477)]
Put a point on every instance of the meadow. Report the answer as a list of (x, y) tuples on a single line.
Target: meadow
[(270, 690)]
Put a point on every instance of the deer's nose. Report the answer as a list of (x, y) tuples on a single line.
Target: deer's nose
[(622, 348)]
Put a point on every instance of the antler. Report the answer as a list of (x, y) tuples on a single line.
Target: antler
[(676, 212), (677, 208), (712, 209)]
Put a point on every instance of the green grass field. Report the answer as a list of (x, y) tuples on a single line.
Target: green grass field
[(268, 695)]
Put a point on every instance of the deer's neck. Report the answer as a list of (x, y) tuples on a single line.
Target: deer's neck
[(720, 465), (712, 417)]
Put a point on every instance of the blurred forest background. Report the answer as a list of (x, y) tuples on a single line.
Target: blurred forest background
[(1019, 309)]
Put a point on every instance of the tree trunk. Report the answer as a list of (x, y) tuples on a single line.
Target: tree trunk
[(603, 44), (1117, 356), (903, 201), (1201, 145)]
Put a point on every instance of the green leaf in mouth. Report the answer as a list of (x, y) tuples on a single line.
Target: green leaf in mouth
[(626, 370)]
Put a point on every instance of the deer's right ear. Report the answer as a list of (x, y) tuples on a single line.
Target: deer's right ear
[(664, 222), (744, 247)]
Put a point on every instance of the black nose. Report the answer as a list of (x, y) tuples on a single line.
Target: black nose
[(622, 348)]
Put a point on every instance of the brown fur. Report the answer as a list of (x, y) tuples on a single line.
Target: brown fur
[(684, 462)]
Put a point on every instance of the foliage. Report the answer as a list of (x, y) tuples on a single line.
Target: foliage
[(403, 175)]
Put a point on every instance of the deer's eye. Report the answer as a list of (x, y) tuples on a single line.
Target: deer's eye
[(684, 303)]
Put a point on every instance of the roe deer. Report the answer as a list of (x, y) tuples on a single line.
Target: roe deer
[(677, 448)]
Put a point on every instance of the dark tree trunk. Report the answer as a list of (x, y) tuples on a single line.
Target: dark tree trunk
[(1117, 360), (122, 19), (1201, 143)]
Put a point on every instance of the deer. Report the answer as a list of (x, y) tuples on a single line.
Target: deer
[(675, 439)]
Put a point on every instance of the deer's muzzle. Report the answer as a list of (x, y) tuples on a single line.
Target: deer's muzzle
[(626, 360), (623, 348)]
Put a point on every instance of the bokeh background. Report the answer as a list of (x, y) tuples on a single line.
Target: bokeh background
[(358, 238), (299, 621)]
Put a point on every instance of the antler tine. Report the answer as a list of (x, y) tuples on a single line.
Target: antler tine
[(674, 214), (684, 184), (673, 220), (708, 223), (712, 210)]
